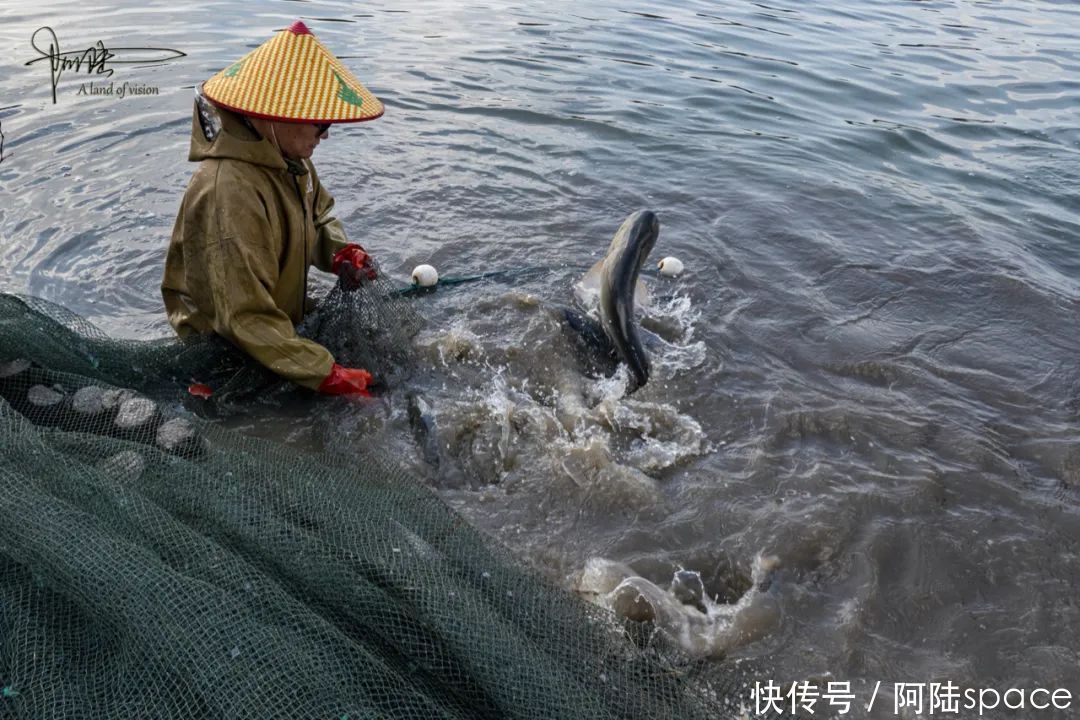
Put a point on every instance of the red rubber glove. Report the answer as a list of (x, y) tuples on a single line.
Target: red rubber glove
[(353, 260), (346, 381)]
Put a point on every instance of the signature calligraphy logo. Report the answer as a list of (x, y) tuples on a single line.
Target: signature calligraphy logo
[(94, 60)]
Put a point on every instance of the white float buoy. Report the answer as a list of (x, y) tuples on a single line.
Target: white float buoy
[(43, 397), (173, 433), (424, 276), (112, 399), (135, 412), (88, 400), (44, 404), (670, 266)]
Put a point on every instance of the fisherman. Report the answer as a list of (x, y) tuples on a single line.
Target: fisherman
[(255, 217)]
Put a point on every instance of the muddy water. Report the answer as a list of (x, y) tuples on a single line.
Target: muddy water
[(862, 428)]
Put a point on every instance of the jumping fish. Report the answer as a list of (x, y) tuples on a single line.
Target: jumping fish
[(615, 337)]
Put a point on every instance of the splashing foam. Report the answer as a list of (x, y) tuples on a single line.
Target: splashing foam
[(457, 343), (530, 421), (683, 612)]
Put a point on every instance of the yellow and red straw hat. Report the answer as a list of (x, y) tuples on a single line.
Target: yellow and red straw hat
[(292, 77)]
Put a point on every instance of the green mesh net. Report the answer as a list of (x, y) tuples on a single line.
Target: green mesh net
[(156, 565), (367, 324)]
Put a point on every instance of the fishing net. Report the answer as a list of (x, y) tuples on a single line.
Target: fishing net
[(154, 564), (366, 323)]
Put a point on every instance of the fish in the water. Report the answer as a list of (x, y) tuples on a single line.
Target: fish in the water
[(615, 337), (603, 344)]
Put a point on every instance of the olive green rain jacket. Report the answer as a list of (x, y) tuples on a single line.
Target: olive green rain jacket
[(249, 227)]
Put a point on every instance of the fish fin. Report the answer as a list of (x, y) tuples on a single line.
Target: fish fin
[(587, 288), (591, 279)]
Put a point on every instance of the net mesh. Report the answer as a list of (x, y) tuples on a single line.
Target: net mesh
[(366, 323), (156, 565)]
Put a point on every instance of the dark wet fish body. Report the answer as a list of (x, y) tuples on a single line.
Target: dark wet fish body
[(616, 338), (618, 284)]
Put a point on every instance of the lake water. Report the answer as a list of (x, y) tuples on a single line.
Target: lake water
[(867, 397)]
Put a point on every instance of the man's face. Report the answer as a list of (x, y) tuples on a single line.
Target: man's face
[(298, 140)]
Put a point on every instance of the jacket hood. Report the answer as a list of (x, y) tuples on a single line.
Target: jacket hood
[(221, 134)]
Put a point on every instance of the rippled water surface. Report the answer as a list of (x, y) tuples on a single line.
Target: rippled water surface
[(866, 402)]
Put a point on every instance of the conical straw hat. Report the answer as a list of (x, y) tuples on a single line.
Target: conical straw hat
[(292, 77)]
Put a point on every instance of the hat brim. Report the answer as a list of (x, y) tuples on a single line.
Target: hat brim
[(308, 121)]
